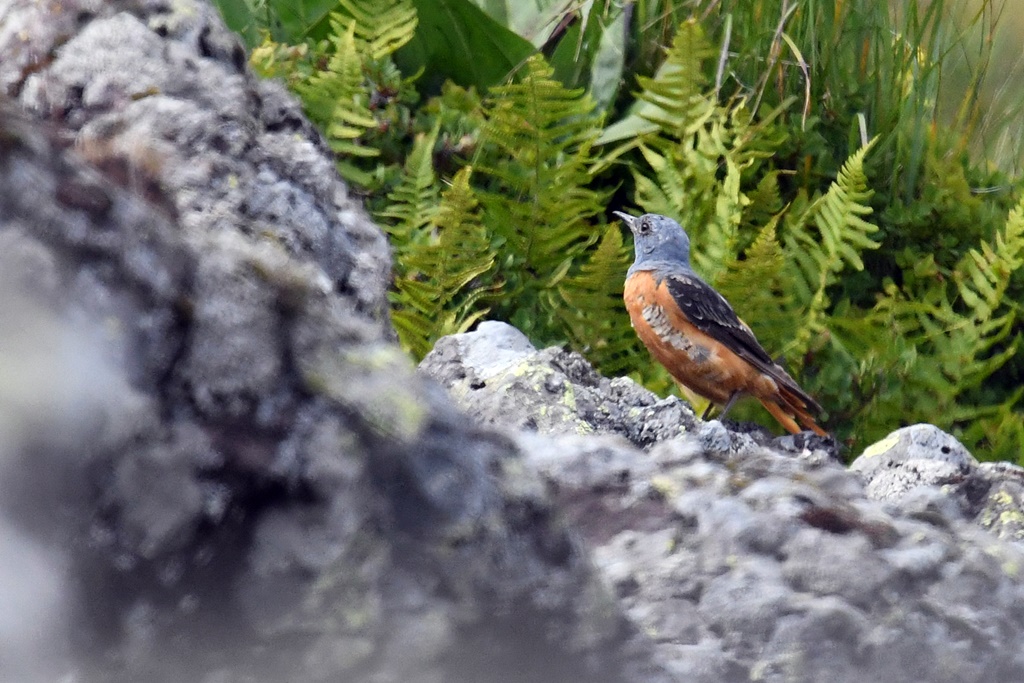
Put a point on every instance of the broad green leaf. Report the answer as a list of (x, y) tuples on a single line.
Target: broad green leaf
[(591, 52), (607, 65), (239, 17), (457, 40), (299, 18), (533, 20)]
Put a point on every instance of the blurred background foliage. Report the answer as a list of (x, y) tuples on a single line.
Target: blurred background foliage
[(849, 173)]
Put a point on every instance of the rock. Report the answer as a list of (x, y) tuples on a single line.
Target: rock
[(747, 557), (497, 376), (924, 471), (216, 463), (217, 466), (758, 565)]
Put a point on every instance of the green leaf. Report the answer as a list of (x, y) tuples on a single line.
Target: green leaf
[(591, 52), (673, 99), (298, 18), (456, 40), (609, 61), (240, 18)]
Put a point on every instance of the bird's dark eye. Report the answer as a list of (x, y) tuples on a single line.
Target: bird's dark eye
[(645, 226)]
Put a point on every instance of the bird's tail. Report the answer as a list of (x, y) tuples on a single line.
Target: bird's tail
[(791, 402)]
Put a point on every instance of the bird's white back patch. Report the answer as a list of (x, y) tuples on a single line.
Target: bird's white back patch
[(658, 320)]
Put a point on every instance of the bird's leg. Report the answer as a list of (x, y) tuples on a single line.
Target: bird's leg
[(707, 411), (728, 404)]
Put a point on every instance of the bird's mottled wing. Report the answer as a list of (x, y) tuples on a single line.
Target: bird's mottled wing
[(711, 314)]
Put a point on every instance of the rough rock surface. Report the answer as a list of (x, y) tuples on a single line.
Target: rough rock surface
[(497, 376), (920, 467), (746, 561), (216, 466)]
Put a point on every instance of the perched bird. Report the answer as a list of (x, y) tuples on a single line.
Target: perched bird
[(693, 331)]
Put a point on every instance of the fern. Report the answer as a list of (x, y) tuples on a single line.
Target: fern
[(341, 80), (381, 26), (673, 101), (765, 202), (982, 277), (678, 105), (999, 428), (337, 100), (966, 338), (413, 203), (758, 285), (820, 255), (959, 329), (537, 138), (274, 60), (434, 297), (596, 319)]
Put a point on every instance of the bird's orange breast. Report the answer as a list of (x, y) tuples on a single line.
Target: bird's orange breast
[(693, 358)]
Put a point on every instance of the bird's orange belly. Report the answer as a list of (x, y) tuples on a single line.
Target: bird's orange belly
[(693, 358)]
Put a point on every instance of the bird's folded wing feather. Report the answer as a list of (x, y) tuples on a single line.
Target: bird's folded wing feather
[(713, 315)]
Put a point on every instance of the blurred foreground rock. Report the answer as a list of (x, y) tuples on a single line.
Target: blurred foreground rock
[(217, 466)]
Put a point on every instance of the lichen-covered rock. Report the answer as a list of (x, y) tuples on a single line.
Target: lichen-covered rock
[(921, 468), (762, 565), (497, 376), (216, 463), (748, 558)]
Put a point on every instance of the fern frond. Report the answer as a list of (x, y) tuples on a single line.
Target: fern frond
[(439, 292), (722, 233), (961, 329), (336, 98), (271, 59), (765, 201), (597, 320), (462, 250), (667, 192), (757, 285), (382, 26), (820, 255), (999, 428), (414, 201), (673, 101), (537, 138), (678, 104), (983, 276)]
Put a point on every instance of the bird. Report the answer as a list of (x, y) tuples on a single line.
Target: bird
[(694, 332)]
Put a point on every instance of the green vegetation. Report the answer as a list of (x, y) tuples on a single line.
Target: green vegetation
[(843, 169)]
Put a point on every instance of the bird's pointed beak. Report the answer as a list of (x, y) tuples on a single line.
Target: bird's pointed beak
[(630, 221)]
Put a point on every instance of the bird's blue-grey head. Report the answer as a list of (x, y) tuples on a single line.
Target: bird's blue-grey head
[(657, 240)]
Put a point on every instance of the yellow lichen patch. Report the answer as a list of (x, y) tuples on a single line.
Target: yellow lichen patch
[(880, 447), (1002, 498), (665, 486), (1008, 517), (378, 382)]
